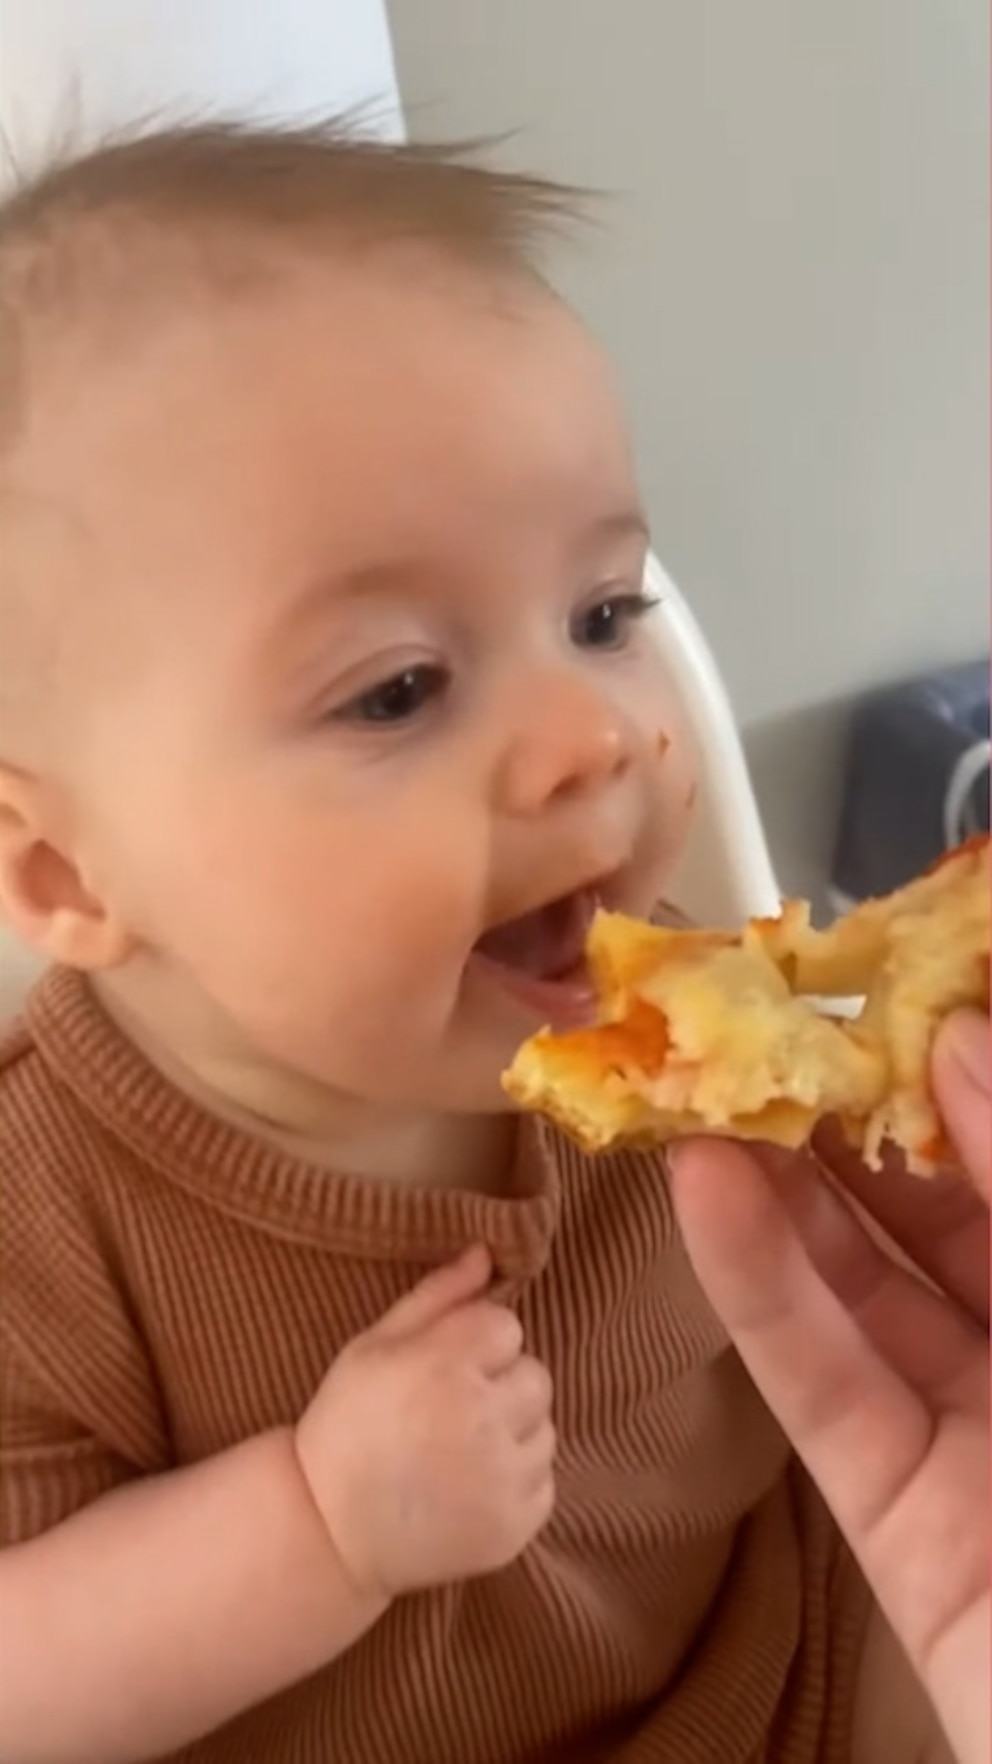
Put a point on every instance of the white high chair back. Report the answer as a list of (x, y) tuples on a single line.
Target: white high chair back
[(726, 873)]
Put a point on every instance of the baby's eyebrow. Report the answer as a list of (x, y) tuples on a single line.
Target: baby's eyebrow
[(628, 523), (333, 591), (341, 588), (394, 575), (285, 641)]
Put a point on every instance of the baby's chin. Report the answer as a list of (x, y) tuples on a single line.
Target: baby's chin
[(302, 1058)]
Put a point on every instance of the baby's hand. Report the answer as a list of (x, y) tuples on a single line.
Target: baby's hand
[(429, 1447)]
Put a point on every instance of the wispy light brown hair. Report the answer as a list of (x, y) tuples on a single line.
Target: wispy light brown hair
[(206, 206)]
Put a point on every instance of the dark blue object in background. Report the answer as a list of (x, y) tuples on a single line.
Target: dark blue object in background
[(916, 779)]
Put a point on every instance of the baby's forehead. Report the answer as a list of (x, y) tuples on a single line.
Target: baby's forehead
[(405, 309), (331, 423), (302, 394)]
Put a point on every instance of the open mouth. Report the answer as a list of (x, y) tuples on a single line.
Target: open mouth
[(539, 958)]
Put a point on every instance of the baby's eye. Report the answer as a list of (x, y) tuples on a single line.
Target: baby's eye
[(607, 624), (398, 699)]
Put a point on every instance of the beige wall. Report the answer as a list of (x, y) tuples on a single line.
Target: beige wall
[(792, 278)]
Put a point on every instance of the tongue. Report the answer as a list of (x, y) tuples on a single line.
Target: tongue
[(546, 943)]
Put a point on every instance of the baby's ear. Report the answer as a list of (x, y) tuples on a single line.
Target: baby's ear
[(44, 894)]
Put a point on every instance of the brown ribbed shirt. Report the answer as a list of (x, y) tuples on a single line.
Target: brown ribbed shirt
[(171, 1286)]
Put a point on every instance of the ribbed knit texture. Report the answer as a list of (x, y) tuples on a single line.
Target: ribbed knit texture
[(171, 1286)]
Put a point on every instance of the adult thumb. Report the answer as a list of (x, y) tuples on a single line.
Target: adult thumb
[(438, 1293), (962, 1082)]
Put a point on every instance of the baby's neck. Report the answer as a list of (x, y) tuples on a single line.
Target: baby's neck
[(308, 1121)]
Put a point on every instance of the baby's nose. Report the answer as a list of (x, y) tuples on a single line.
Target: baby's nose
[(569, 739)]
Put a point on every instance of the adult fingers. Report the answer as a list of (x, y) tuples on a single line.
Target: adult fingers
[(860, 1430), (962, 1082), (941, 1225)]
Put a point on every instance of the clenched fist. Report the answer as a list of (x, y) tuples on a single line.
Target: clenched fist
[(429, 1447)]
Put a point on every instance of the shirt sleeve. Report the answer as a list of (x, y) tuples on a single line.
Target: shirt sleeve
[(50, 1466)]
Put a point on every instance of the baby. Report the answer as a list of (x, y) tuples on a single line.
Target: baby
[(330, 709)]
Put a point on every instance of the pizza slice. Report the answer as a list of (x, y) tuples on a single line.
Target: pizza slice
[(761, 1034)]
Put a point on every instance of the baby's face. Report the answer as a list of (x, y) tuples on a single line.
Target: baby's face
[(375, 680)]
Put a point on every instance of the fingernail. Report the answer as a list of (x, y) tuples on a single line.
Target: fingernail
[(967, 1039), (671, 1159), (677, 1151)]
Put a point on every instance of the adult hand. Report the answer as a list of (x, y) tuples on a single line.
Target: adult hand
[(878, 1374)]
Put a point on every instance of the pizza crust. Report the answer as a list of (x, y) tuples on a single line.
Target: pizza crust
[(708, 1032)]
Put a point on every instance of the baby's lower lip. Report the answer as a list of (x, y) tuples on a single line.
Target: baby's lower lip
[(565, 1002)]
